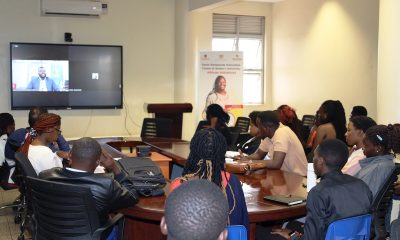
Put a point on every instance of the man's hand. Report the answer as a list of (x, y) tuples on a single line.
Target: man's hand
[(109, 163), (63, 154), (284, 232)]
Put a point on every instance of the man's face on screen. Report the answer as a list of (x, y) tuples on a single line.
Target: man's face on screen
[(42, 72)]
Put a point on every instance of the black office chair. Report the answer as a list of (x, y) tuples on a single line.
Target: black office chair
[(381, 204), (308, 121), (23, 170), (156, 127), (67, 211), (4, 176), (243, 123), (202, 124)]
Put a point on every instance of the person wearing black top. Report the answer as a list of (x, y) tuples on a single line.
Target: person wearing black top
[(250, 145), (217, 118), (109, 194), (337, 195)]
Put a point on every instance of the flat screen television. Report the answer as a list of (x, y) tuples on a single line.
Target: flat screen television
[(65, 76)]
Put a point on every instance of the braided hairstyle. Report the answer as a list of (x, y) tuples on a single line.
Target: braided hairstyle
[(207, 156), (6, 120), (44, 122), (388, 137), (335, 114)]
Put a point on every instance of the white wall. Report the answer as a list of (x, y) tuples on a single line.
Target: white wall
[(325, 50), (195, 28), (145, 28), (389, 59)]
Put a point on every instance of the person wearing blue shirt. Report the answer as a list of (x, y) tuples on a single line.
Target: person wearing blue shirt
[(42, 82), (17, 138)]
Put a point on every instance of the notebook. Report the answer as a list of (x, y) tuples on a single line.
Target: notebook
[(285, 199)]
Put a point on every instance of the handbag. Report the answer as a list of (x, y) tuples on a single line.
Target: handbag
[(146, 176)]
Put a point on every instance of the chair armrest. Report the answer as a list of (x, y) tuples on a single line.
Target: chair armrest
[(110, 223)]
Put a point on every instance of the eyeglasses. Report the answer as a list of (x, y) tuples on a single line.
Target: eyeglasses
[(58, 130)]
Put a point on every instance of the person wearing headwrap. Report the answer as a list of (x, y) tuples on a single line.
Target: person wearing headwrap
[(45, 131)]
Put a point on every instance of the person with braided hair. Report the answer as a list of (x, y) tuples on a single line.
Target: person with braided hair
[(207, 161), (45, 131), (381, 143), (332, 120)]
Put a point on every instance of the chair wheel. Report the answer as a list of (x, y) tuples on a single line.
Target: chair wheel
[(17, 219)]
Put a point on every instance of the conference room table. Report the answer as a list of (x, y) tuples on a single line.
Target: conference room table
[(142, 220)]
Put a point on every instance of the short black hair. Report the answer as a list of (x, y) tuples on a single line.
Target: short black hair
[(253, 117), (362, 122), (334, 152), (34, 114), (196, 210), (6, 120), (269, 118), (215, 110), (86, 150), (359, 111)]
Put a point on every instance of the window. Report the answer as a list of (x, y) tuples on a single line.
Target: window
[(245, 34)]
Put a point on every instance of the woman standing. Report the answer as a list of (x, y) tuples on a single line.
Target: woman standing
[(218, 94)]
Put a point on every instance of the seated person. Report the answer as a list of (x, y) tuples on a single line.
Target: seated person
[(196, 210), (7, 126), (281, 144), (288, 117), (380, 144), (356, 129), (326, 202), (358, 111), (332, 121), (17, 138), (217, 118), (395, 230), (207, 161), (109, 194), (42, 82), (251, 145), (45, 131)]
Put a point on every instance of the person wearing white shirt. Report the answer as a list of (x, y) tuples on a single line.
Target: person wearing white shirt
[(45, 131), (356, 129)]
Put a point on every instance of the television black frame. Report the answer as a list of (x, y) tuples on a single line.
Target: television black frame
[(66, 107)]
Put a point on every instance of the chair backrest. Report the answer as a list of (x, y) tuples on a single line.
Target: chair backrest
[(63, 211), (202, 124), (24, 165), (357, 228), (237, 232), (156, 127), (234, 135), (381, 203), (243, 124), (308, 120)]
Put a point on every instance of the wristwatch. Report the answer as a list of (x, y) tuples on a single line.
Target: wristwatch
[(247, 167), (293, 235)]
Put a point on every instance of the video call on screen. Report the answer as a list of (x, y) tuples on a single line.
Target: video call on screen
[(66, 76)]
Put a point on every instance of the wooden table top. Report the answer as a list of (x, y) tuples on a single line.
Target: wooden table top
[(255, 186)]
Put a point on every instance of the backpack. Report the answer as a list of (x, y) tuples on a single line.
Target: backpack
[(146, 176)]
